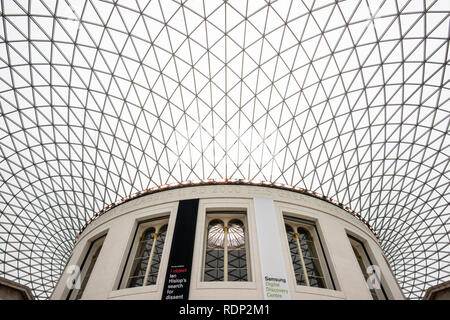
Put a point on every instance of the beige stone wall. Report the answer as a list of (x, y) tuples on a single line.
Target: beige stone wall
[(7, 293), (10, 290)]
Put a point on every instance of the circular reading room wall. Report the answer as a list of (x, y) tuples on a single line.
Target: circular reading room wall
[(226, 241)]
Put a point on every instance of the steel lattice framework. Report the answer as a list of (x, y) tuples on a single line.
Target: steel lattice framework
[(101, 99)]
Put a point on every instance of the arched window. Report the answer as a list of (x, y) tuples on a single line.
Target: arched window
[(307, 257), (296, 256), (141, 259), (87, 267), (156, 255), (148, 249), (376, 290), (88, 272), (313, 269), (226, 248), (214, 255), (236, 251)]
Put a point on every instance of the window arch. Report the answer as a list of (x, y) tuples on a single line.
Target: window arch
[(236, 251), (226, 248), (148, 248), (215, 251), (307, 257)]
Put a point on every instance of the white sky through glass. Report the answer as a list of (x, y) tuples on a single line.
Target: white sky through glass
[(102, 99)]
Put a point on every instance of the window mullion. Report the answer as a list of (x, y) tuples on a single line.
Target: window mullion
[(149, 263), (300, 253), (247, 259), (206, 249), (225, 254)]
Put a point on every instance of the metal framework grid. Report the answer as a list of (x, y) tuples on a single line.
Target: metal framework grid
[(102, 99)]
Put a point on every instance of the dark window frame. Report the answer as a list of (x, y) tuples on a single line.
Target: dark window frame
[(91, 245), (133, 242), (314, 226), (361, 243)]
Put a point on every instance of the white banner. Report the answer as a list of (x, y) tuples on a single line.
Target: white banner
[(272, 262)]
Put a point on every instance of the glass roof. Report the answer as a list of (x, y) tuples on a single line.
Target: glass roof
[(102, 99)]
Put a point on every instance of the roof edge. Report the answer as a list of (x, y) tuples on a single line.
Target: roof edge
[(209, 182)]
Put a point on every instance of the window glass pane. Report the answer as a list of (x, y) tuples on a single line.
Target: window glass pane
[(360, 262), (307, 257), (216, 234), (363, 264), (214, 255), (226, 250), (214, 275), (311, 259), (145, 255), (296, 261), (316, 282), (140, 263), (92, 259), (156, 256), (237, 257), (135, 282), (236, 237)]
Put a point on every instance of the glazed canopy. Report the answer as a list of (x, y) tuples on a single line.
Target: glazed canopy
[(103, 99)]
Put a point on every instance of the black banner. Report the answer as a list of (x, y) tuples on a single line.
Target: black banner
[(178, 276)]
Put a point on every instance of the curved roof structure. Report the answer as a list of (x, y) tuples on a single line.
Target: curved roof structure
[(102, 99), (221, 181)]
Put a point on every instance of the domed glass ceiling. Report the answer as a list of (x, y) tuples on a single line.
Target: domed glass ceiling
[(101, 99)]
